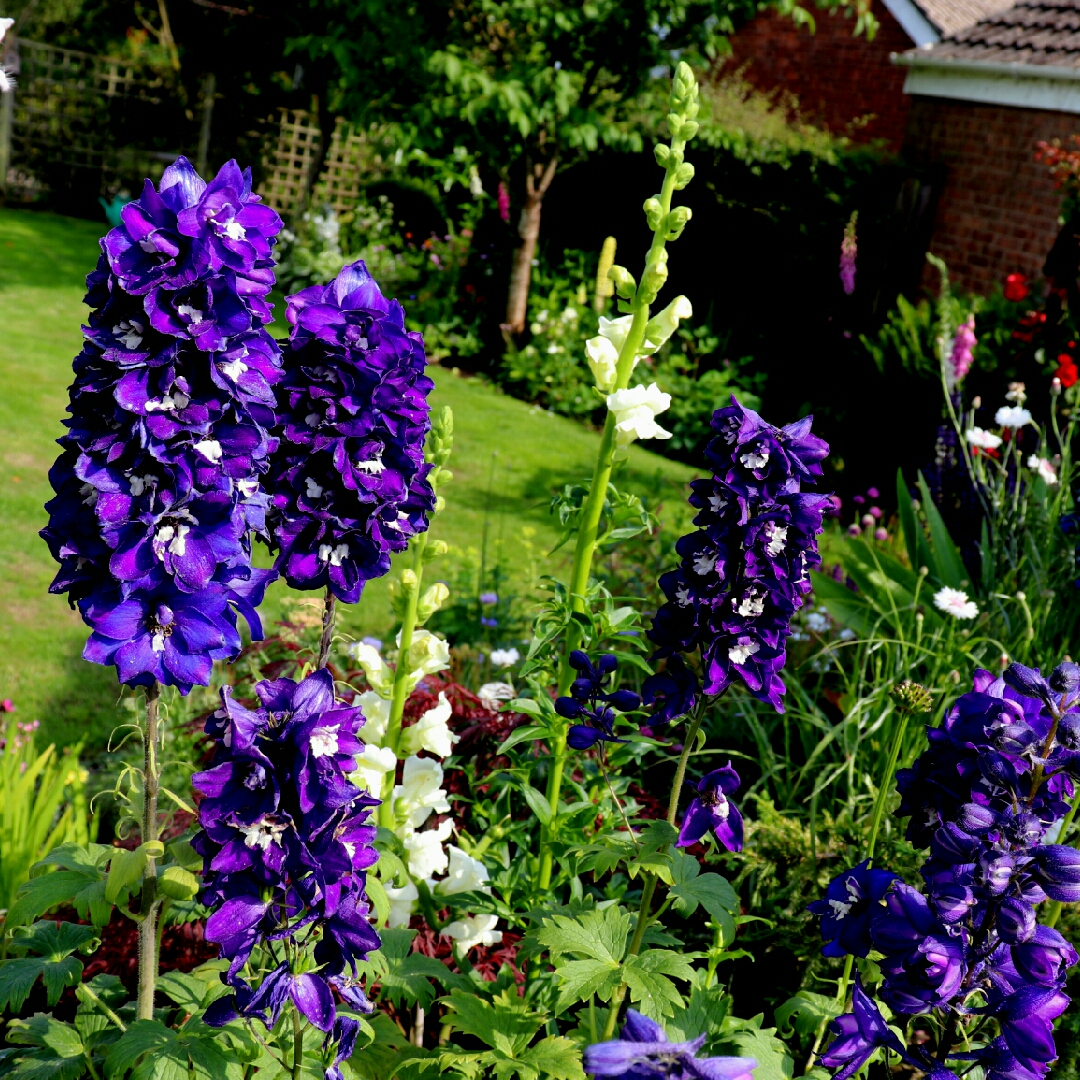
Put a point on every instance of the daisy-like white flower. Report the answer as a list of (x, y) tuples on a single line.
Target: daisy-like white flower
[(955, 603), (504, 657), (1012, 416), (1043, 467), (984, 440)]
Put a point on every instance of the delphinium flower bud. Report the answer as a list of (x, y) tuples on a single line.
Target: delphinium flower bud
[(158, 489), (348, 480), (744, 571), (997, 774), (286, 841)]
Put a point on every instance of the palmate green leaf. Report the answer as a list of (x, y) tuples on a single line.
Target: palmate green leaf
[(17, 978), (773, 1060), (711, 891), (580, 979), (655, 994), (142, 1037), (39, 895), (603, 858), (595, 935), (557, 1057), (506, 1024), (151, 1051), (46, 1032), (54, 941), (703, 1015), (809, 1011), (407, 975)]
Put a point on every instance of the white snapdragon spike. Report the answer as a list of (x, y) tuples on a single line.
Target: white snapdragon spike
[(428, 654), (635, 413), (431, 732), (466, 874), (425, 850), (603, 360), (372, 766), (419, 794), (1012, 416), (955, 603), (504, 657), (492, 693), (376, 710), (984, 440), (1043, 468), (379, 675), (664, 323), (474, 930), (616, 330), (402, 903)]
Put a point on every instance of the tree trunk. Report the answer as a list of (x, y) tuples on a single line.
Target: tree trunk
[(537, 181)]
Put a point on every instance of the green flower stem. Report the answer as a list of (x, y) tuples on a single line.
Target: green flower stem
[(400, 693), (298, 1045), (329, 606), (648, 887), (148, 954), (592, 510)]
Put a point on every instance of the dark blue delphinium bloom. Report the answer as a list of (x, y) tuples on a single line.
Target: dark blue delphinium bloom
[(671, 693), (744, 571), (348, 481), (158, 490), (997, 774), (712, 810), (858, 1034), (591, 703), (644, 1052), (286, 840), (846, 908)]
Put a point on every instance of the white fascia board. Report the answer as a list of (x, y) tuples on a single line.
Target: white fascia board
[(1021, 91), (913, 22)]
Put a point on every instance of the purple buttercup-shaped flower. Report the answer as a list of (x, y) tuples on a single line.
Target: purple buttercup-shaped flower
[(858, 1035), (847, 906), (644, 1050), (711, 809)]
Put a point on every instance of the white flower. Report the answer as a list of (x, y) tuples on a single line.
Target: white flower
[(603, 358), (376, 710), (984, 440), (739, 654), (210, 449), (402, 902), (419, 793), (664, 323), (956, 603), (425, 850), (1012, 416), (493, 692), (427, 654), (504, 657), (430, 732), (372, 766), (474, 930), (847, 634), (1044, 468), (466, 874), (818, 621), (5, 26), (615, 330), (324, 741), (379, 676), (635, 413)]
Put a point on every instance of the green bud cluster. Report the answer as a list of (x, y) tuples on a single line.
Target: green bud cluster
[(911, 697)]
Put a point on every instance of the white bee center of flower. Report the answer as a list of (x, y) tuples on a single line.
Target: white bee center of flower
[(682, 596), (839, 908), (402, 517), (247, 487), (234, 230), (704, 563), (758, 460), (333, 555), (193, 315), (312, 419), (89, 494), (262, 834), (129, 333), (753, 604), (210, 449), (739, 654), (776, 535), (234, 369), (313, 489), (324, 741), (717, 502), (374, 466), (148, 246), (157, 642), (172, 539)]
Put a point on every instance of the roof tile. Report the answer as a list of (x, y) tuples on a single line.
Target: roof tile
[(1029, 32)]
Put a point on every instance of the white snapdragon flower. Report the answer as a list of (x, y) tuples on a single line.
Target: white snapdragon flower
[(474, 930), (376, 710), (603, 360), (635, 413), (7, 83), (664, 323), (1043, 467), (428, 654), (379, 675), (955, 603), (466, 874), (1012, 416), (492, 693), (402, 903), (430, 732), (425, 850), (504, 657), (419, 793), (372, 766), (984, 440)]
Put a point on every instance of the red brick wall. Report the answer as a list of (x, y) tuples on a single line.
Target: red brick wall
[(997, 211), (844, 82)]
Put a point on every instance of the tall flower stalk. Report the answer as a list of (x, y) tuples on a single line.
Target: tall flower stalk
[(626, 340)]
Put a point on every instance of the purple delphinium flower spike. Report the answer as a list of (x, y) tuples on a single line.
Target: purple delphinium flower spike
[(590, 702), (711, 809), (158, 490), (847, 906), (644, 1050), (348, 481), (286, 840), (744, 571)]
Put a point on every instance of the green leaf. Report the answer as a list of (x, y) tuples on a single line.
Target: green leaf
[(54, 941), (773, 1060), (144, 1037), (17, 978), (183, 854), (555, 1056), (176, 883), (59, 1053), (125, 869), (185, 990), (580, 979), (525, 733), (655, 992), (810, 1012), (950, 567), (908, 522), (506, 1024), (40, 894), (538, 804), (595, 935), (407, 975)]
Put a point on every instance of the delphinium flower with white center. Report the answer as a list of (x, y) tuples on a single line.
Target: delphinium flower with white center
[(159, 487), (348, 481), (955, 602), (745, 569)]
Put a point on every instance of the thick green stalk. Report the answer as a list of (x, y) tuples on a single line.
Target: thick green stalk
[(298, 1045), (148, 953)]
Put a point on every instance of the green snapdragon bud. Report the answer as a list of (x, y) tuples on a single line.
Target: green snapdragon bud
[(654, 278), (654, 212), (676, 221), (624, 281), (431, 601), (683, 175)]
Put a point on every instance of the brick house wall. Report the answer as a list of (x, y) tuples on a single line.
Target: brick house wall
[(997, 210), (843, 82)]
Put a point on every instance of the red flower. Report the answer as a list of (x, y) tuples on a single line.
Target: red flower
[(1067, 371), (1016, 288)]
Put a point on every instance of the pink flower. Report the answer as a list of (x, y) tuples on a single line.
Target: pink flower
[(7, 705), (848, 251), (962, 350), (504, 202)]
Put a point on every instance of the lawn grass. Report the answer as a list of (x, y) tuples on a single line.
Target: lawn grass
[(509, 458)]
